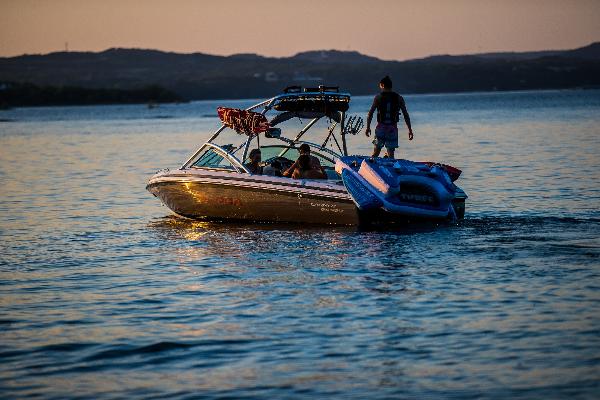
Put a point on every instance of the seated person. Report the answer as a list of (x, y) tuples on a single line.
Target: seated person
[(273, 169), (253, 166), (303, 169), (314, 161)]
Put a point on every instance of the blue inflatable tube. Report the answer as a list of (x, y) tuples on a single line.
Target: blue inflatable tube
[(400, 187)]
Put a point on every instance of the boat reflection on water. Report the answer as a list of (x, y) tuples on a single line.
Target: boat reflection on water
[(232, 248), (172, 227)]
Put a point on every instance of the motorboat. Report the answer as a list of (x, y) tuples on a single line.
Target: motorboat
[(216, 182)]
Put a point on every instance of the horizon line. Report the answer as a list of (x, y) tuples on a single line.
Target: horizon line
[(298, 53)]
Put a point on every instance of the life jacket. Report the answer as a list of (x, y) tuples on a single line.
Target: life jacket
[(388, 110)]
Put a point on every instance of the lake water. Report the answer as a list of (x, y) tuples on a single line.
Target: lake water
[(104, 294)]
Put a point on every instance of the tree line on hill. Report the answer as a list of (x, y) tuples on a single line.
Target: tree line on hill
[(29, 95)]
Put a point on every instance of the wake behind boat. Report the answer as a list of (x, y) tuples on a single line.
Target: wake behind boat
[(216, 183)]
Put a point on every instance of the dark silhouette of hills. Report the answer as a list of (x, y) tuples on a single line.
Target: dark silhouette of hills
[(590, 52), (27, 94), (334, 56), (205, 76)]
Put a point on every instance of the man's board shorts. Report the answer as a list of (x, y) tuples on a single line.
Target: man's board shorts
[(386, 135)]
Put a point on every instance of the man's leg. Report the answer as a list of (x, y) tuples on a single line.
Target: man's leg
[(378, 143), (376, 151), (391, 142)]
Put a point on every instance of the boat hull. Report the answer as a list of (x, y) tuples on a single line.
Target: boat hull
[(254, 200), (209, 195)]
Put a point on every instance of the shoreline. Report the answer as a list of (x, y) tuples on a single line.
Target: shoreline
[(157, 104)]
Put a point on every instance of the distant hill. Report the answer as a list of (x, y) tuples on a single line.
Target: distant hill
[(590, 52), (334, 56), (205, 76)]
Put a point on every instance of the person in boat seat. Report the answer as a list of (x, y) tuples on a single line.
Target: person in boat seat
[(314, 161), (388, 105), (303, 169), (253, 166), (315, 164)]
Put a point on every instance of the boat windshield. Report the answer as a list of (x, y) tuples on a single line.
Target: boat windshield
[(211, 158), (286, 156)]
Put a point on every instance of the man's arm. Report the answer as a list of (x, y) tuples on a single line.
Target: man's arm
[(406, 118), (370, 115), (288, 172)]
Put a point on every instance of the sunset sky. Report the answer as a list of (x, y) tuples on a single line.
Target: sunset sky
[(393, 30)]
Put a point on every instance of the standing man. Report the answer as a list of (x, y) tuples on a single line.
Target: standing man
[(388, 104)]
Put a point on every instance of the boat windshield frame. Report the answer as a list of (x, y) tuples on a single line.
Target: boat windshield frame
[(235, 162), (268, 105)]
